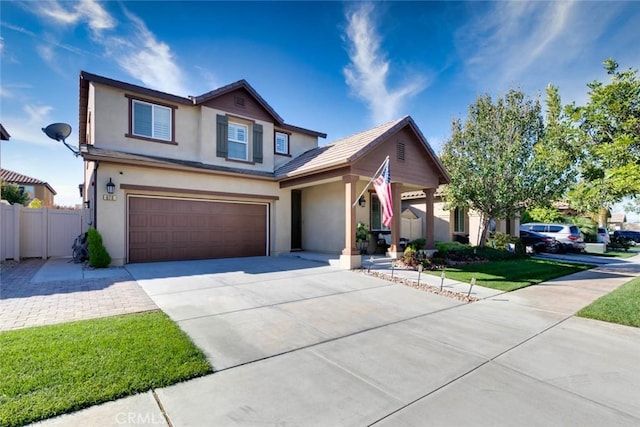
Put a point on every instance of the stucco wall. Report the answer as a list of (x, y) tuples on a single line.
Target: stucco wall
[(195, 132), (323, 218), (112, 215)]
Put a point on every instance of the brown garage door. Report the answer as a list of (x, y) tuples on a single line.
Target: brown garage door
[(162, 229)]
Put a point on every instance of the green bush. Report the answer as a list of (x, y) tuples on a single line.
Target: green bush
[(587, 226), (417, 244), (445, 247), (541, 214), (98, 255)]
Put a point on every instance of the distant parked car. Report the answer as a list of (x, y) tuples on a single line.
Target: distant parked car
[(569, 235), (602, 236), (628, 235), (539, 242)]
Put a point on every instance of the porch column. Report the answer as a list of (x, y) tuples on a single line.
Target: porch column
[(394, 250), (429, 226), (350, 257)]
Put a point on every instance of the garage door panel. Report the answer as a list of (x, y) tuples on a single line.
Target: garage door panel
[(175, 229)]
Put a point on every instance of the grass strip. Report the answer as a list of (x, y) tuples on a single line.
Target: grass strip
[(621, 306), (512, 274), (51, 370)]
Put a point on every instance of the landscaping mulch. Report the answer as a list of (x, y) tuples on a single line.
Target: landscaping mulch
[(423, 287)]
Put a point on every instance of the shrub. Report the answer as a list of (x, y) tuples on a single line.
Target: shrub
[(445, 247), (98, 255), (413, 258), (417, 244)]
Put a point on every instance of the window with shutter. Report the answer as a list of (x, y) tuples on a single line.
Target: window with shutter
[(221, 136), (237, 141), (257, 143)]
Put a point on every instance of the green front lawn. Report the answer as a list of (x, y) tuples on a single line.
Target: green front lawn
[(621, 306), (512, 274), (46, 371)]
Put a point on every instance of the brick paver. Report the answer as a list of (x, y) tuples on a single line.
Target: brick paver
[(24, 303)]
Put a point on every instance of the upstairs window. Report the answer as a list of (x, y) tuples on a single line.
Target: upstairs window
[(282, 143), (238, 141), (149, 120), (233, 139)]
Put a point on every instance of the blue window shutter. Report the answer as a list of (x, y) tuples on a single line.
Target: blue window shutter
[(257, 143), (222, 141)]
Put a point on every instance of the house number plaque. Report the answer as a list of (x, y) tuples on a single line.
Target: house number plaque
[(109, 197)]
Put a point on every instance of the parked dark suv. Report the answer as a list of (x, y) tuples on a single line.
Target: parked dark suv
[(629, 235)]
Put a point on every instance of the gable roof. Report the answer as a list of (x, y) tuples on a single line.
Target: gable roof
[(347, 150), (240, 84), (17, 178)]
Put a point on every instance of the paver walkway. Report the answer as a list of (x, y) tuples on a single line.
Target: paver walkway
[(33, 293)]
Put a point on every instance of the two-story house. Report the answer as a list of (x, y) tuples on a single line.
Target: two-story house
[(223, 175)]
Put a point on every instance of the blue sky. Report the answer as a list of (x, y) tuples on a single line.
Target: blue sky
[(334, 67)]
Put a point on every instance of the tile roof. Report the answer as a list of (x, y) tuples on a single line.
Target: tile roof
[(17, 178), (340, 152)]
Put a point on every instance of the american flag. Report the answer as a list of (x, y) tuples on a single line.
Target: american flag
[(382, 184)]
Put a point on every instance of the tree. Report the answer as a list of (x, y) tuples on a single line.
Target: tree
[(14, 194), (98, 255), (498, 161), (35, 203), (608, 130)]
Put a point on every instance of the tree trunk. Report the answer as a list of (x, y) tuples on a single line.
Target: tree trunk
[(485, 229)]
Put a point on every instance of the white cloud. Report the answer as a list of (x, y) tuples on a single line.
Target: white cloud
[(89, 11), (27, 128), (145, 58), (134, 48), (531, 44), (368, 72)]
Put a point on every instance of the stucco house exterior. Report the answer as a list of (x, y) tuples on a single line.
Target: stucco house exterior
[(459, 224), (223, 175), (36, 188)]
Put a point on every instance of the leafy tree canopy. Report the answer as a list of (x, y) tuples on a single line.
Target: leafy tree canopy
[(35, 203), (499, 158), (14, 194), (608, 137)]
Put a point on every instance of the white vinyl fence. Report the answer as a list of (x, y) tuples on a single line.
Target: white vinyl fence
[(39, 233), (411, 228)]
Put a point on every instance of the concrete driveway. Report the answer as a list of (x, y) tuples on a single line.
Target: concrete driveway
[(296, 342)]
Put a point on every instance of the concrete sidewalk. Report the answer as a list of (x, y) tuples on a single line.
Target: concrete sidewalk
[(299, 342)]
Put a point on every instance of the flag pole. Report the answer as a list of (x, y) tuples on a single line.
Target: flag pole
[(375, 175)]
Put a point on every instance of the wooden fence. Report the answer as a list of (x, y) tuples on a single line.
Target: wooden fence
[(39, 233)]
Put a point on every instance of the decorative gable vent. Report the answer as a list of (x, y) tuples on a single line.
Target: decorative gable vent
[(239, 101), (400, 151)]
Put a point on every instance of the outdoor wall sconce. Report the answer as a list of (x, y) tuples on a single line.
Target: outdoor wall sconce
[(362, 202), (87, 204), (81, 189), (111, 187)]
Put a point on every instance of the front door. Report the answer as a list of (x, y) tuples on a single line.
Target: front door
[(296, 220)]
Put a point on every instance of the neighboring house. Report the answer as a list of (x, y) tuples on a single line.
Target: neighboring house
[(33, 186), (617, 221), (457, 224), (223, 175)]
